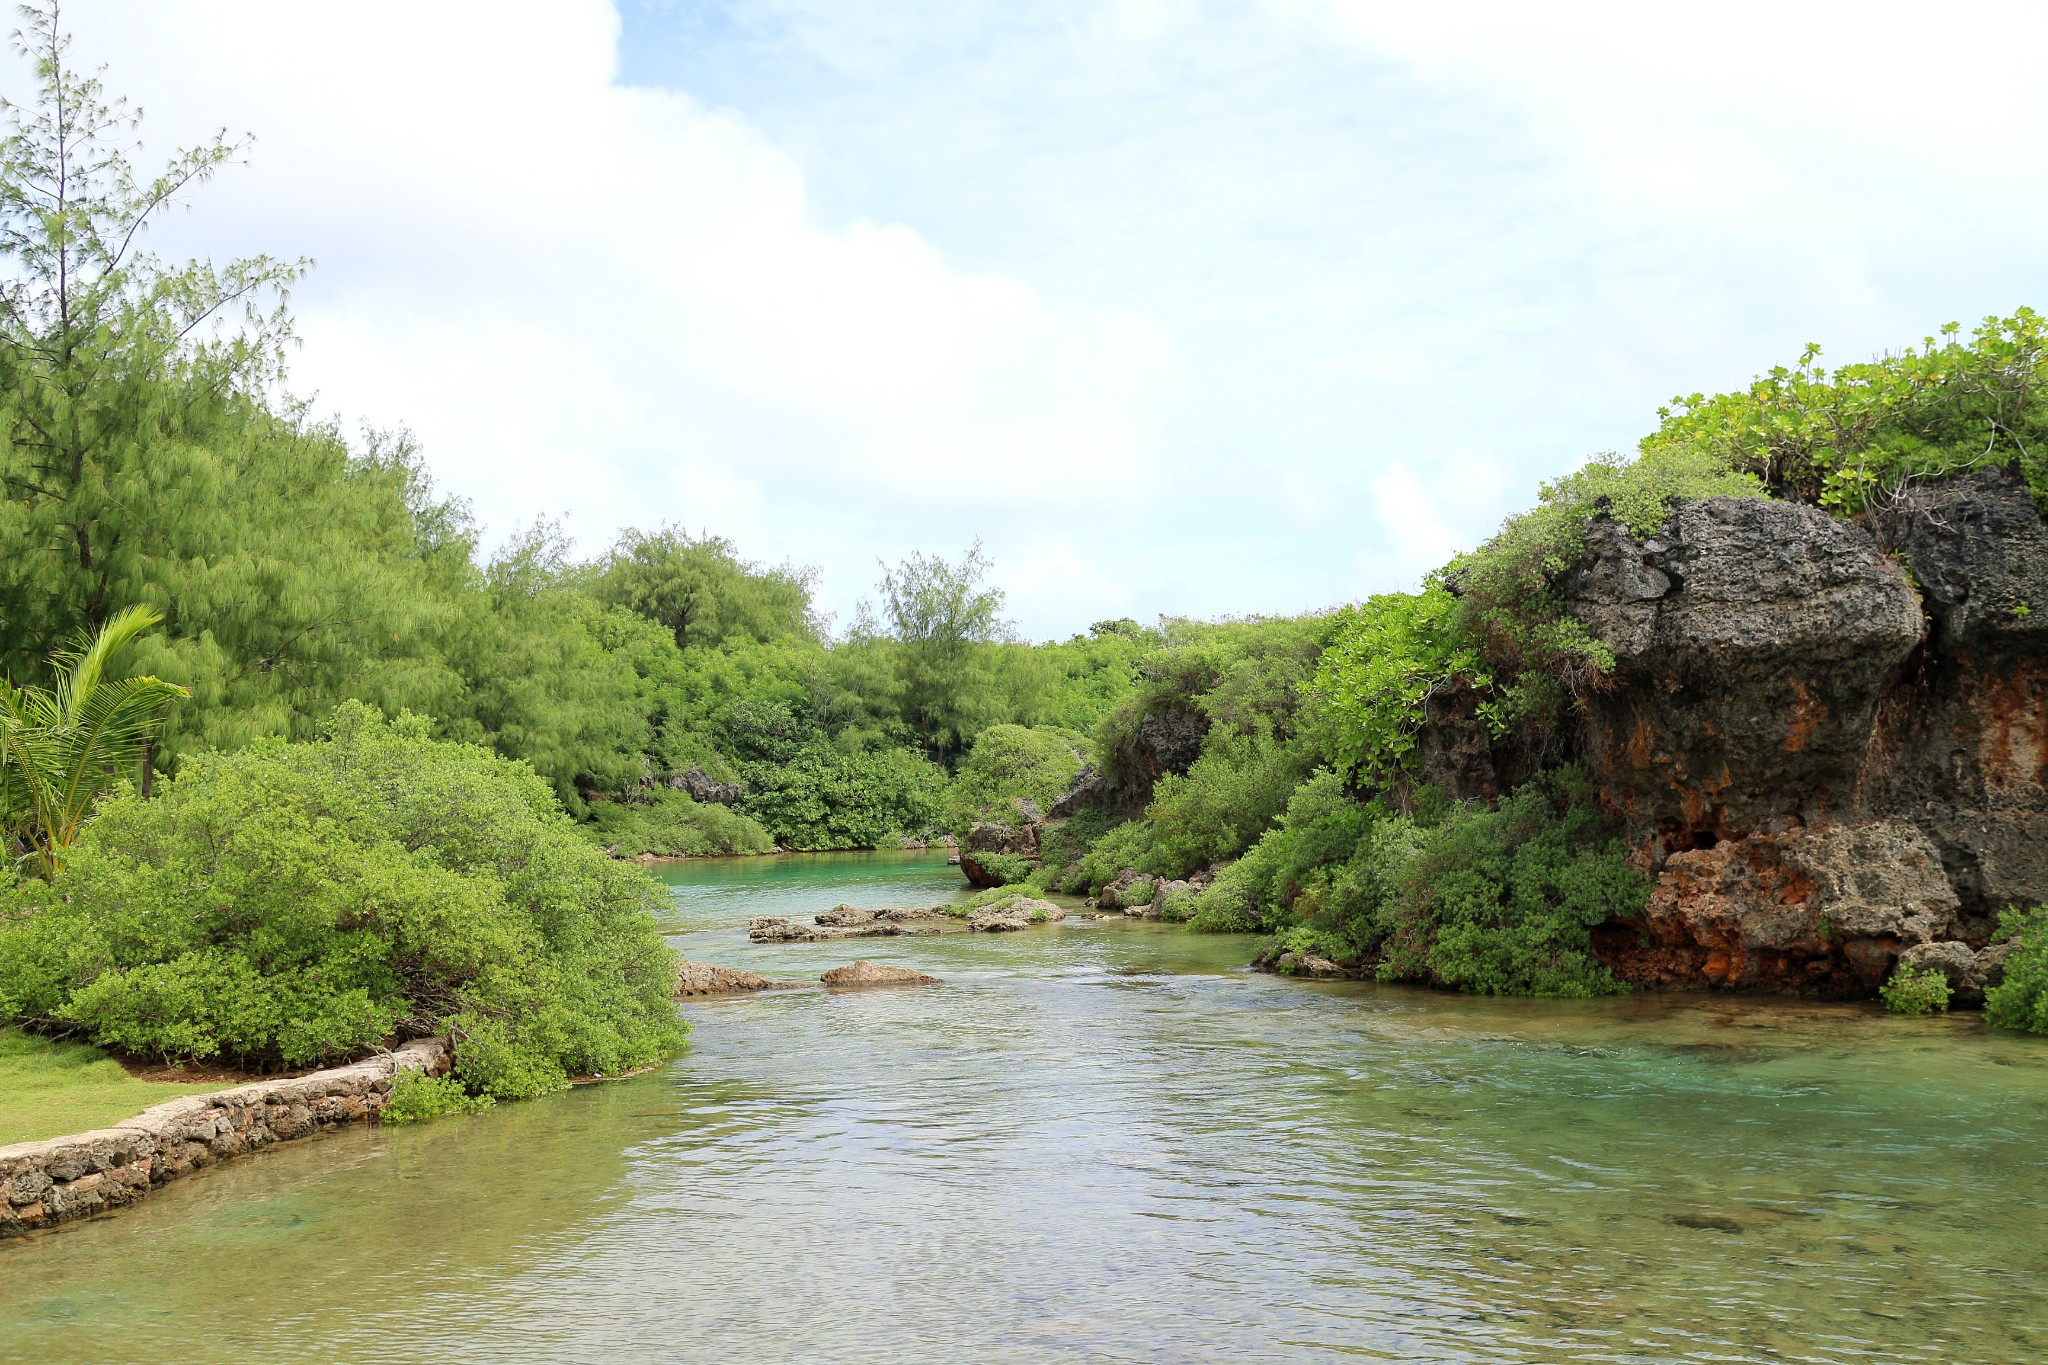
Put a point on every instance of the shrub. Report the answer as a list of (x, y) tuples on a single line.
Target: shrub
[(1227, 800), (1916, 990), (1846, 439), (672, 825), (2021, 1000), (823, 797), (294, 905), (1179, 906), (1503, 902), (1136, 894), (1008, 764), (1383, 658), (416, 1096)]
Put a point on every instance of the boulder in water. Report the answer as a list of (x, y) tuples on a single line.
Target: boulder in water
[(866, 973)]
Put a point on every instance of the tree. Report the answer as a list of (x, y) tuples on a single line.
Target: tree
[(141, 460), (942, 622), (62, 747), (702, 591)]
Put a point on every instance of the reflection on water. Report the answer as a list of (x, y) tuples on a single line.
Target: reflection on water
[(1110, 1142)]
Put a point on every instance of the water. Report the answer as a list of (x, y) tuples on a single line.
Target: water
[(1111, 1142)]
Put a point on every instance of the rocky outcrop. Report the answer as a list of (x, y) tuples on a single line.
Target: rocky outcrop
[(1827, 741), (1018, 912), (866, 973), (1016, 837), (847, 921), (61, 1179), (1165, 741), (702, 978)]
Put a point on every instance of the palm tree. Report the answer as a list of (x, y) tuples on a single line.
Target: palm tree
[(64, 746)]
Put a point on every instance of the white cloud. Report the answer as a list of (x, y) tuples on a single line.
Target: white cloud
[(587, 296)]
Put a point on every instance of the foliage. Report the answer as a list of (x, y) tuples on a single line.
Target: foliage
[(1499, 901), (1227, 800), (1005, 869), (1063, 843), (416, 1096), (1502, 901), (1179, 905), (1008, 764), (1848, 439), (1137, 893), (61, 748), (822, 797), (935, 635), (1916, 990), (299, 904), (1384, 658), (702, 592), (2020, 1001), (669, 824)]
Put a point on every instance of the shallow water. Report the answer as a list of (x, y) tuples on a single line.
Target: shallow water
[(1111, 1142)]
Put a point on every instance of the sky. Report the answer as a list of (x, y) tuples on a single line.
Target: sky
[(1198, 308)]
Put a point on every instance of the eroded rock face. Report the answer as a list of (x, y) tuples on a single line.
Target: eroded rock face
[(1822, 777), (1753, 642)]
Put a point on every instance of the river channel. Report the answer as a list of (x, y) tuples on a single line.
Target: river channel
[(1110, 1141)]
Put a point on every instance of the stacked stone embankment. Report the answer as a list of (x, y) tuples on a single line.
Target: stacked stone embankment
[(58, 1180)]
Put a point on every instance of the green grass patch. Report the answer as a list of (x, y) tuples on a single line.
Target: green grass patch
[(48, 1089)]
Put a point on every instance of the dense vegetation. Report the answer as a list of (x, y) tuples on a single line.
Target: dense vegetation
[(294, 904)]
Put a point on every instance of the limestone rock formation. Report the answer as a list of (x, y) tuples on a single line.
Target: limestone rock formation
[(845, 921), (702, 978), (866, 973), (1827, 741), (1018, 912)]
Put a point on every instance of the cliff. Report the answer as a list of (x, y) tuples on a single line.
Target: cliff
[(1827, 741)]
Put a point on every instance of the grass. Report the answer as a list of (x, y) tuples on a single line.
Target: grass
[(48, 1089)]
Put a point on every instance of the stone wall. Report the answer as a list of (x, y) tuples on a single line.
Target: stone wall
[(61, 1179)]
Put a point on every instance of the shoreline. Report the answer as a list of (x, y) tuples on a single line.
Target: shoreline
[(63, 1179)]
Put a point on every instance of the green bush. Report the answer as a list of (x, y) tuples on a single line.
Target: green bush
[(823, 797), (2021, 1000), (416, 1096), (1008, 764), (1916, 990), (295, 905), (1179, 906), (1847, 439), (672, 825), (1134, 896), (1228, 799), (1503, 901), (1383, 658)]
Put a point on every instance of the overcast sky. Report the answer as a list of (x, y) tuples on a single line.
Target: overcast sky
[(1198, 308)]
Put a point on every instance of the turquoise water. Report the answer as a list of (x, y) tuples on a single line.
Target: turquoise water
[(1108, 1141)]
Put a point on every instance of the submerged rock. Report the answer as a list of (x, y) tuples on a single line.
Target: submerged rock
[(702, 978), (866, 973)]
